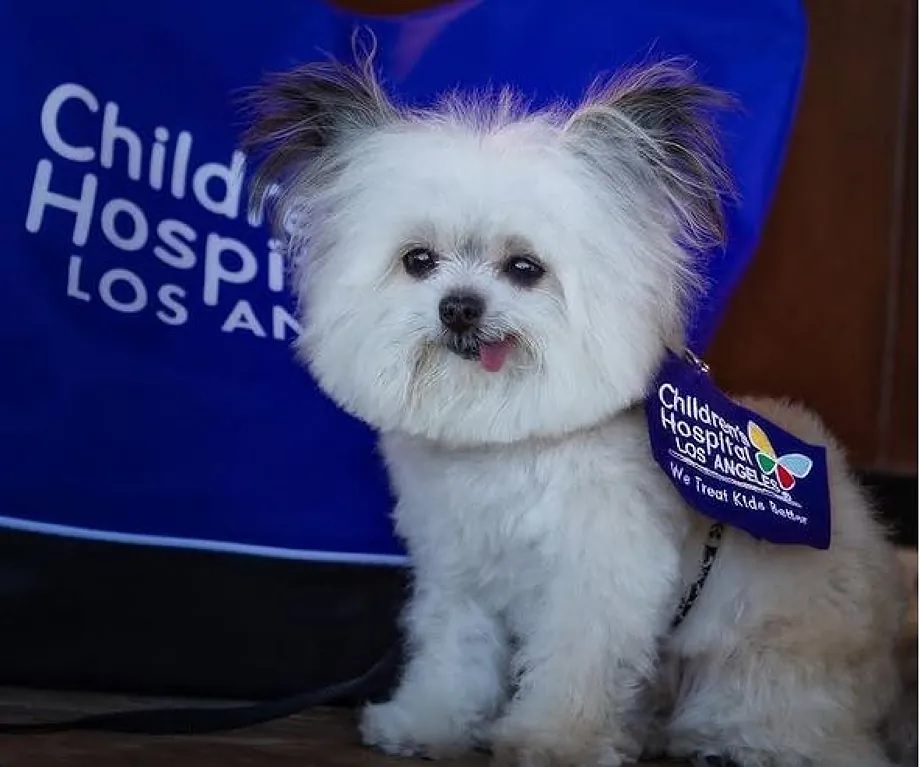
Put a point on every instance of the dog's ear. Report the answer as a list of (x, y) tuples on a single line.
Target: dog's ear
[(657, 120), (297, 116)]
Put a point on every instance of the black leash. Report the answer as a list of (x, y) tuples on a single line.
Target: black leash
[(190, 720), (710, 550), (713, 539)]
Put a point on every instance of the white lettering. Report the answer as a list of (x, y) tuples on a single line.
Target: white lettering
[(216, 272), (139, 229), (283, 321), (51, 110), (107, 291), (112, 132), (242, 317), (180, 165), (230, 177), (73, 279), (174, 235), (43, 197), (168, 295), (677, 472), (158, 157), (666, 395)]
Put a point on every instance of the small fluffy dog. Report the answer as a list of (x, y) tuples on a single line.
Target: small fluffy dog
[(493, 290)]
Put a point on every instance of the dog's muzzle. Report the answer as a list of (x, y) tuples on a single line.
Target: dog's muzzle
[(460, 315), (465, 345)]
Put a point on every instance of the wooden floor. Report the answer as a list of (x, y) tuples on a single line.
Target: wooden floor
[(320, 738)]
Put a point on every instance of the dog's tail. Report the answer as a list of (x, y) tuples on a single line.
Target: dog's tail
[(900, 728)]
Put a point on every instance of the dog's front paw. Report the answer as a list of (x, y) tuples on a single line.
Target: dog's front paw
[(514, 745), (399, 730)]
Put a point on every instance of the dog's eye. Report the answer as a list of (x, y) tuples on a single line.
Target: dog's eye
[(419, 262), (523, 271)]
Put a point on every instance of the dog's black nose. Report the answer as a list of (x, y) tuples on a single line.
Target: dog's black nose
[(461, 311)]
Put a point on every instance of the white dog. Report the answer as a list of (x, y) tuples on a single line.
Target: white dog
[(493, 290)]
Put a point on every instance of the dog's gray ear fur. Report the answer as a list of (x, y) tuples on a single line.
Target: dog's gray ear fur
[(658, 121), (299, 116)]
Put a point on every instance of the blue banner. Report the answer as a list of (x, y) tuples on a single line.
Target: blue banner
[(149, 393)]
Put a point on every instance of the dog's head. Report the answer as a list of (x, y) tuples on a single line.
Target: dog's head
[(477, 272)]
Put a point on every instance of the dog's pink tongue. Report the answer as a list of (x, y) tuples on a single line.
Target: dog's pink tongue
[(492, 356)]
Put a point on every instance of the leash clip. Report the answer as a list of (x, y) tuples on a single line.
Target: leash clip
[(697, 362)]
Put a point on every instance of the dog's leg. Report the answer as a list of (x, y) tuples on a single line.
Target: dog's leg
[(454, 681), (764, 711), (655, 710), (583, 659)]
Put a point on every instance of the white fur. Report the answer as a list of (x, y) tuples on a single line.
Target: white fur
[(549, 551), (467, 196), (788, 656)]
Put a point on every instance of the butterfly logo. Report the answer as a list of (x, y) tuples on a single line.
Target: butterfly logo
[(787, 468)]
